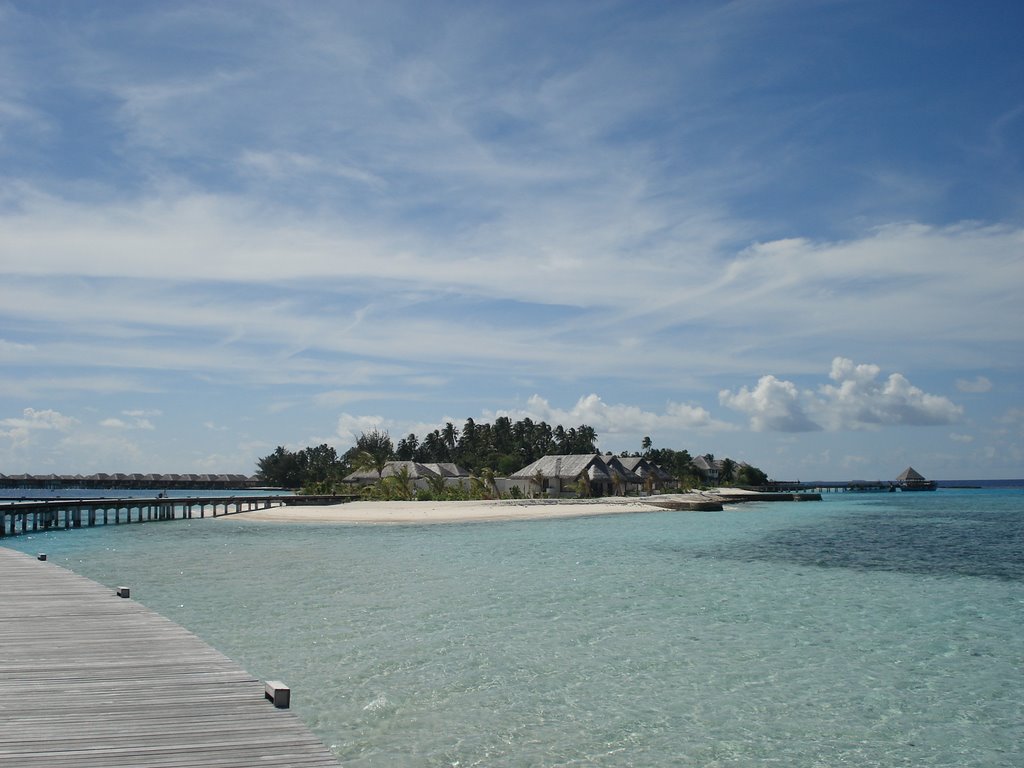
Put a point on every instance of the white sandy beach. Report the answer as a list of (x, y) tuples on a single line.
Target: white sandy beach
[(405, 512)]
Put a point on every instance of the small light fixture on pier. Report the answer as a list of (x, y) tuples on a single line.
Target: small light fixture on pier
[(278, 693), (124, 592)]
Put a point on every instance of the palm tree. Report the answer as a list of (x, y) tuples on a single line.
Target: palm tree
[(450, 436), (373, 450), (406, 450), (586, 438), (489, 483), (432, 448), (617, 484), (538, 480), (583, 486), (560, 439), (438, 486), (469, 434), (404, 483)]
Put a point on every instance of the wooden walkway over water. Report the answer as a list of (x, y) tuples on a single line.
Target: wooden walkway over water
[(88, 679), (46, 514)]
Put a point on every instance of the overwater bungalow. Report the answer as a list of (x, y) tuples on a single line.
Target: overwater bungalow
[(130, 481), (912, 480)]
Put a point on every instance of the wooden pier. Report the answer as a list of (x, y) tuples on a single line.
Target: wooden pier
[(852, 486), (88, 679), (47, 514)]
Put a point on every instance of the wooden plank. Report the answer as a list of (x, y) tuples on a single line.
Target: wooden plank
[(89, 679)]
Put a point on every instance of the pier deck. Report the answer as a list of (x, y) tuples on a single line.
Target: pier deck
[(90, 679), (20, 515)]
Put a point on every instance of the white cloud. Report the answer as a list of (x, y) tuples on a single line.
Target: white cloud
[(618, 419), (293, 197), (136, 422), (31, 420), (976, 385), (858, 400), (773, 406), (956, 437)]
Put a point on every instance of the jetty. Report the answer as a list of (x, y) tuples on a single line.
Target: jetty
[(89, 679), (22, 516), (908, 480)]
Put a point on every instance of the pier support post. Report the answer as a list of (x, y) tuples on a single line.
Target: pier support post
[(278, 693)]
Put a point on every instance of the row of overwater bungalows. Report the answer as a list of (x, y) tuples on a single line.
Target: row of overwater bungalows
[(120, 480)]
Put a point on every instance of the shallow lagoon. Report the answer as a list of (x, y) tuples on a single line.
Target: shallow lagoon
[(864, 630)]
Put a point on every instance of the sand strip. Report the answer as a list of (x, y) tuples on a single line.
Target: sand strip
[(405, 512)]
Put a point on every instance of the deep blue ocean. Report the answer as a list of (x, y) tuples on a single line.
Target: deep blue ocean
[(864, 630)]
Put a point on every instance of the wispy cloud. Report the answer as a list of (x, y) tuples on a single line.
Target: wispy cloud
[(979, 384), (134, 422), (446, 209)]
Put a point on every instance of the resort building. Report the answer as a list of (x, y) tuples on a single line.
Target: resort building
[(587, 474), (651, 476), (708, 469), (419, 473), (135, 480), (912, 480)]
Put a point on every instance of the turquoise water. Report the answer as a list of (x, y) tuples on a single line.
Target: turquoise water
[(863, 630)]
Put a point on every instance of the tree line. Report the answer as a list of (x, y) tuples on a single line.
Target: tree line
[(484, 449)]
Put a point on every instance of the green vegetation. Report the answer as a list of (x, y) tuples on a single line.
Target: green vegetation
[(487, 451)]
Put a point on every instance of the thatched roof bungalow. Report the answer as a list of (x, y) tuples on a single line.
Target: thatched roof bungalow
[(420, 474), (595, 474), (647, 472), (912, 480)]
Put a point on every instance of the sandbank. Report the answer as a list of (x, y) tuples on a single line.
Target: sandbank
[(415, 512)]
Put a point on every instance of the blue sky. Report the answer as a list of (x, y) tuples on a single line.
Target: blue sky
[(787, 232)]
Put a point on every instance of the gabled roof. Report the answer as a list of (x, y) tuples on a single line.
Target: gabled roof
[(416, 471), (632, 462), (447, 469), (565, 467), (704, 465), (644, 467), (621, 466)]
